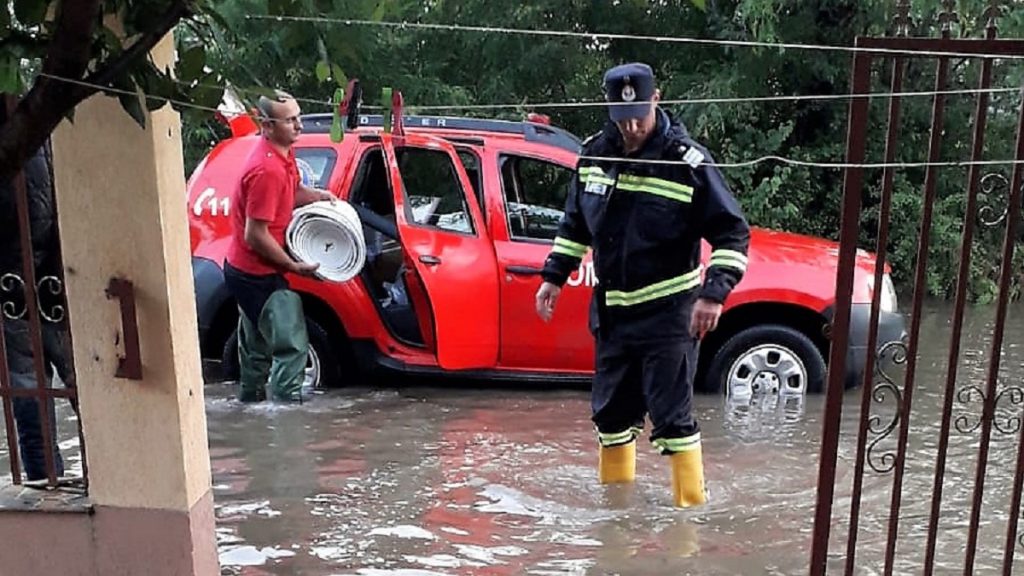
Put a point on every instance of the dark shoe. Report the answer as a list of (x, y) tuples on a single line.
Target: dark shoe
[(252, 395)]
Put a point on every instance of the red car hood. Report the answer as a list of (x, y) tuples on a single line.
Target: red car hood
[(774, 247)]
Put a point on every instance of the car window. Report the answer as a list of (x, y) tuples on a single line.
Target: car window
[(432, 190), (534, 192), (315, 165), (471, 164)]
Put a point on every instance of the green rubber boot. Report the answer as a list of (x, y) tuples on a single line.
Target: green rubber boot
[(283, 324)]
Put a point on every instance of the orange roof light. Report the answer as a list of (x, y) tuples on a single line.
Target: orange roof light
[(538, 118)]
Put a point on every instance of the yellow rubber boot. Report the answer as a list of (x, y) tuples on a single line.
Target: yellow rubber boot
[(617, 464), (688, 478)]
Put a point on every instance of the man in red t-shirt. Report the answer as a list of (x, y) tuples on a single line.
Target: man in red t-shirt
[(273, 343)]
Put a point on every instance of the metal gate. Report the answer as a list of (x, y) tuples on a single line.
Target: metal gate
[(877, 444), (35, 339)]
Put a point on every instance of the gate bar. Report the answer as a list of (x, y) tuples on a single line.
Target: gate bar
[(32, 306), (32, 393), (989, 400), (931, 177), (988, 413), (963, 279), (856, 143), (914, 46), (68, 343), (1013, 221), (13, 449), (881, 247)]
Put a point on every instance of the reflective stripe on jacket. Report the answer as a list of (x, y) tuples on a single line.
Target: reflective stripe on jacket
[(645, 222)]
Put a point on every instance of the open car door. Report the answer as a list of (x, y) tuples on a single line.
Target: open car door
[(442, 231)]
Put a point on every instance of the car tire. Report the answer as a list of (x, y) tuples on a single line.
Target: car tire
[(765, 359), (229, 363), (324, 360), (326, 355)]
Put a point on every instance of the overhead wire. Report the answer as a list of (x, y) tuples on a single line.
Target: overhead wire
[(722, 100), (809, 163), (664, 101), (620, 36), (736, 164)]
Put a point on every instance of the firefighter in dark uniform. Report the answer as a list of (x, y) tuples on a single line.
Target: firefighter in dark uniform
[(643, 198)]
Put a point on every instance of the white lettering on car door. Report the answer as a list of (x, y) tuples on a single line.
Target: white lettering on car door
[(583, 276), (208, 199)]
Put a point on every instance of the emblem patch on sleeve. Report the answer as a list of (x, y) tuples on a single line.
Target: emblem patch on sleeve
[(692, 156), (596, 187)]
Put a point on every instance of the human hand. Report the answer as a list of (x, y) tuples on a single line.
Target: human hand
[(326, 196), (304, 268), (704, 317), (547, 297)]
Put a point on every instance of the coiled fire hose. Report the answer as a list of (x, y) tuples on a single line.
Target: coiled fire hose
[(329, 234)]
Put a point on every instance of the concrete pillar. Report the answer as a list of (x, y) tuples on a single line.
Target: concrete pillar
[(120, 195)]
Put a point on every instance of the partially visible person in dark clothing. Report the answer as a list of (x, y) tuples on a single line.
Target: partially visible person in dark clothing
[(646, 196), (13, 306)]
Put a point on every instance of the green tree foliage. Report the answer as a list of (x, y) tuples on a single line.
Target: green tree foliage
[(445, 67), (232, 42), (54, 54)]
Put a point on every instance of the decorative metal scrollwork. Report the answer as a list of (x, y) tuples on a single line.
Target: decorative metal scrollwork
[(11, 289), (994, 188), (49, 298), (1007, 424), (903, 21), (886, 461), (965, 396), (52, 287), (1015, 396), (993, 12), (948, 16)]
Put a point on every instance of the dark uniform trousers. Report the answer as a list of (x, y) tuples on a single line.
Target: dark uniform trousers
[(644, 215), (645, 364), (637, 378)]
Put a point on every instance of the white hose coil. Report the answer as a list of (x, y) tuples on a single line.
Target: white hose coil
[(329, 234)]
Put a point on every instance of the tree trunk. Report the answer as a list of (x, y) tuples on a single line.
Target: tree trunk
[(28, 127), (50, 100)]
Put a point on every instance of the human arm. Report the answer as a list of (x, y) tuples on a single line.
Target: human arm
[(258, 237), (571, 244), (262, 198), (307, 195), (724, 226)]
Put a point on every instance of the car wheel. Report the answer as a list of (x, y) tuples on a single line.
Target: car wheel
[(322, 368), (229, 369), (767, 359)]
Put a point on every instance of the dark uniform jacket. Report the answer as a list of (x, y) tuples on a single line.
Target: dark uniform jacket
[(42, 218), (43, 237), (645, 222)]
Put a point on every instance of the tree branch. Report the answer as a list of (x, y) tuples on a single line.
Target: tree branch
[(49, 101), (68, 56), (118, 66)]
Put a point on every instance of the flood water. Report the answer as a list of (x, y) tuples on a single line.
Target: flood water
[(424, 480)]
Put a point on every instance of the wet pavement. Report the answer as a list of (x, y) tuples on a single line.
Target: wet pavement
[(457, 481), (424, 480), (473, 479)]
